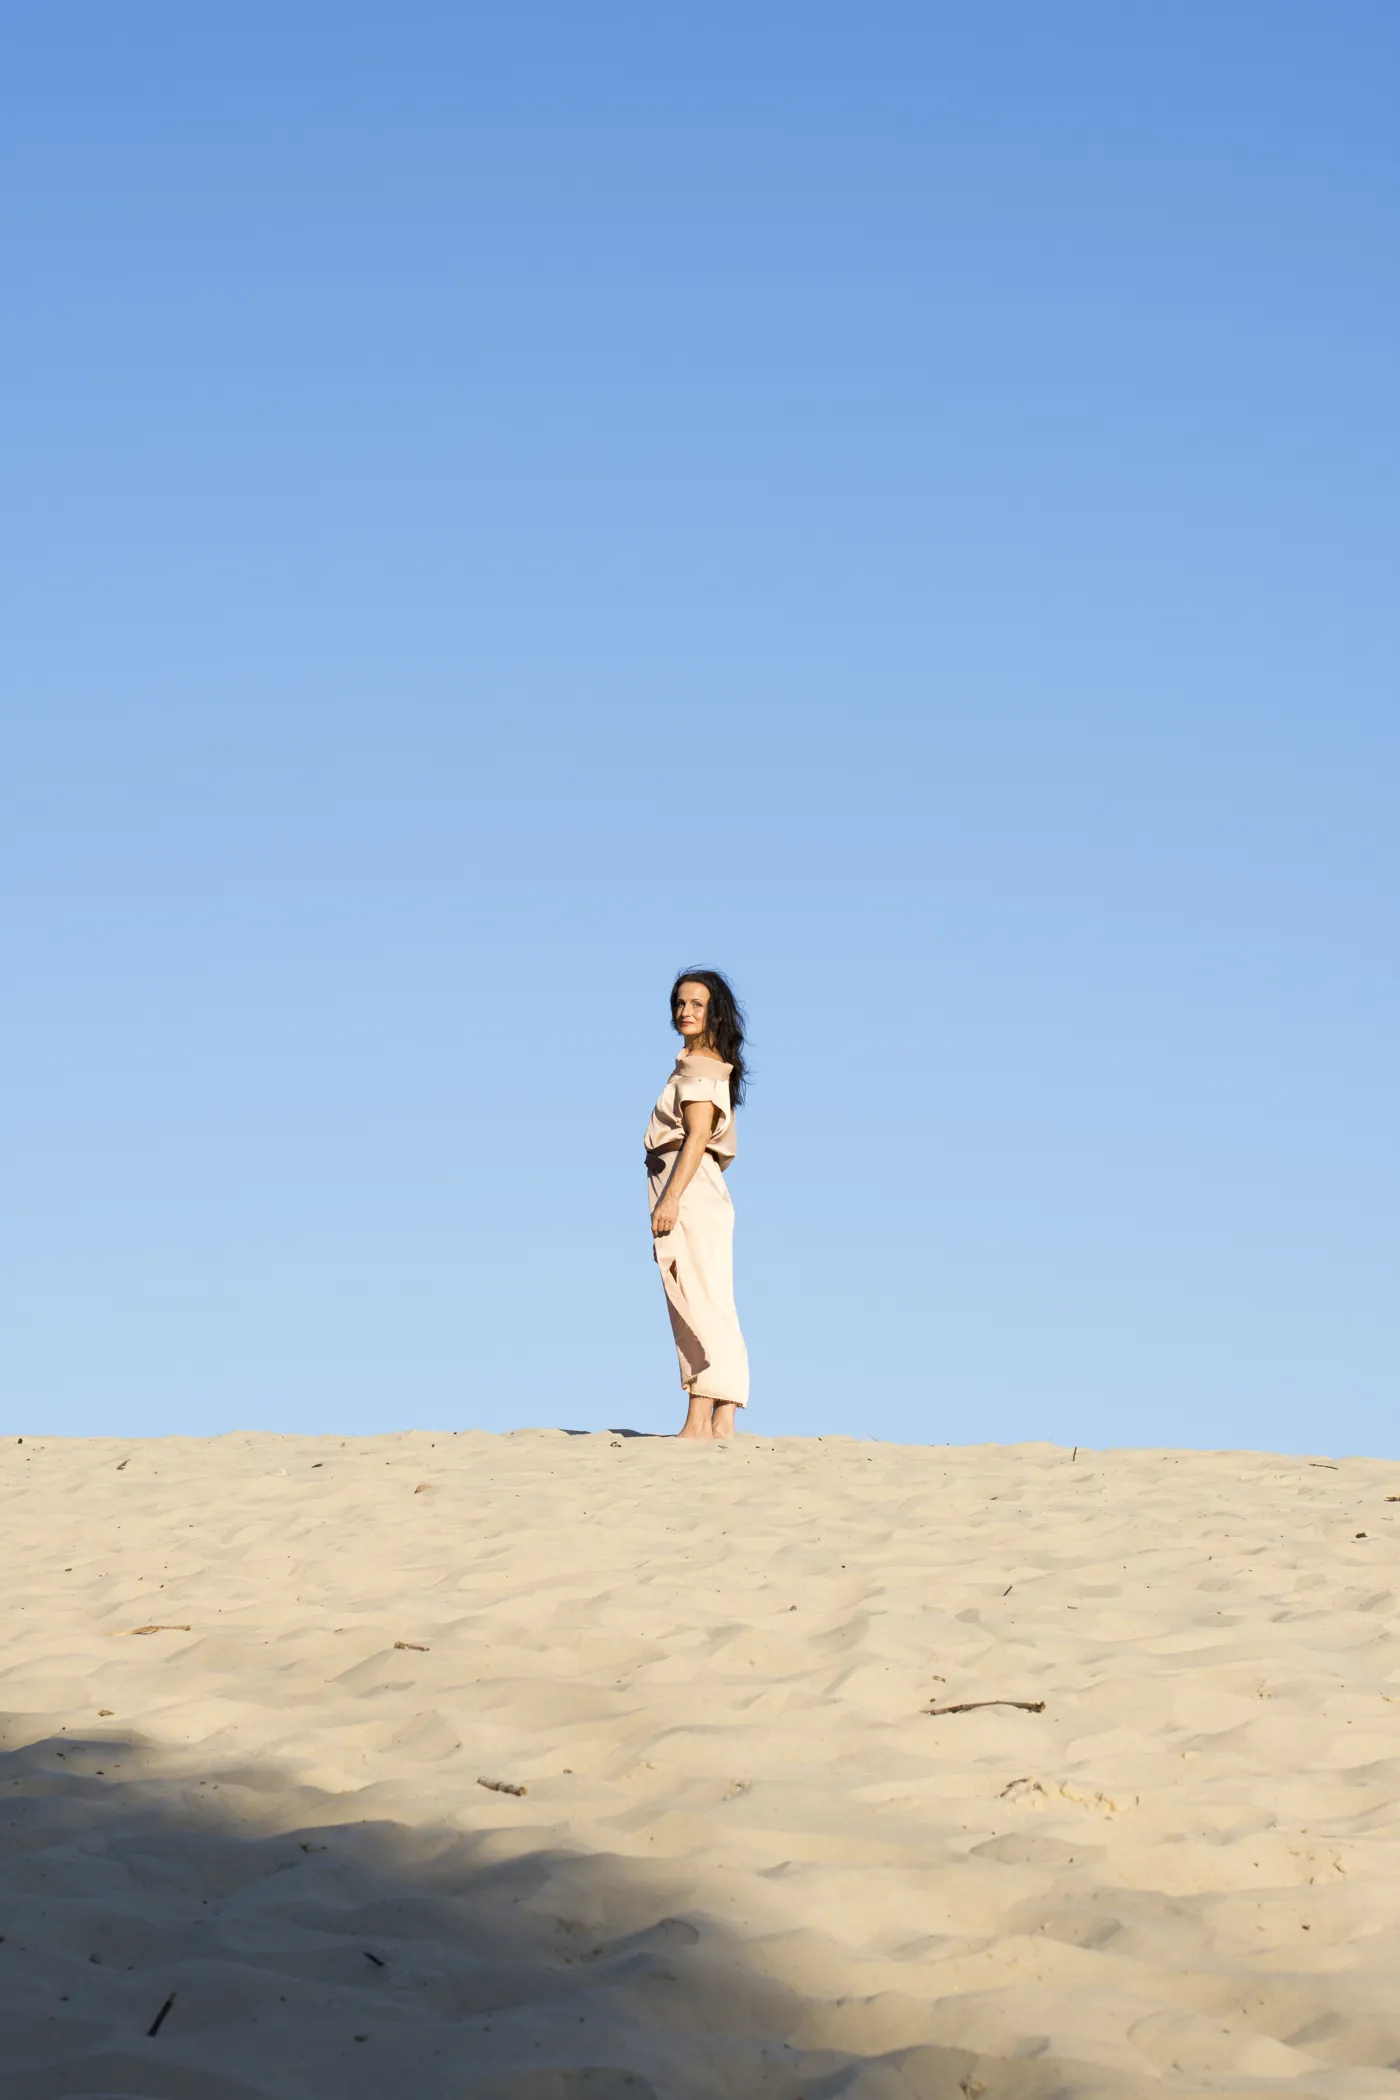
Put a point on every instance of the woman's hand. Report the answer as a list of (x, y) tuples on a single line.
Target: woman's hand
[(663, 1218)]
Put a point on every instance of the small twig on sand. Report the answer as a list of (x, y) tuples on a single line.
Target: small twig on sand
[(1326, 1465), (500, 1786), (419, 1647), (123, 1633), (155, 2025), (970, 1706)]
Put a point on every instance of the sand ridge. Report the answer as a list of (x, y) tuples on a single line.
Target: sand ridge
[(748, 1859)]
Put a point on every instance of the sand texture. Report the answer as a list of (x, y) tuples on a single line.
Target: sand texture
[(747, 1860)]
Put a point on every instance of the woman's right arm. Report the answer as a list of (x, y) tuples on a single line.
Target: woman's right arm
[(699, 1122)]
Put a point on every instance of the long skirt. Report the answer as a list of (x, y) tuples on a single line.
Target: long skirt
[(696, 1261)]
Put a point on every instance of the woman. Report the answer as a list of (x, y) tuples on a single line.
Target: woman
[(690, 1142)]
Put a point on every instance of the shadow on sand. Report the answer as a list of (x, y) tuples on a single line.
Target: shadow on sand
[(650, 1433), (240, 1936)]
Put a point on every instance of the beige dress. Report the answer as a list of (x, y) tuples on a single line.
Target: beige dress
[(696, 1260)]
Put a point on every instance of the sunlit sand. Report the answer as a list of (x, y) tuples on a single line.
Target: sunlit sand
[(553, 1767)]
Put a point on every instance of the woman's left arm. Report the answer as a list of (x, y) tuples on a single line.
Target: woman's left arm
[(699, 1123)]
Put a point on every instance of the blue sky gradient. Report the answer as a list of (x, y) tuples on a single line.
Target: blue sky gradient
[(896, 502)]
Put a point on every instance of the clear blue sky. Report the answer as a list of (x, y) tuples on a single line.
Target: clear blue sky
[(898, 502)]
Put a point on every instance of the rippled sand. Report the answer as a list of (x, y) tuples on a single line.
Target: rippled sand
[(747, 1859)]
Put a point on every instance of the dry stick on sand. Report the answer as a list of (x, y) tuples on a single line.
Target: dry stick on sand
[(420, 1647), (123, 1633), (500, 1786), (970, 1706), (154, 2027)]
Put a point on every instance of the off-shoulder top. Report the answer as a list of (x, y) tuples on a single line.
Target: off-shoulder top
[(694, 1079)]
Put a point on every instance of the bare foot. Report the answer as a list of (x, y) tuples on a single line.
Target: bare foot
[(697, 1420), (722, 1421)]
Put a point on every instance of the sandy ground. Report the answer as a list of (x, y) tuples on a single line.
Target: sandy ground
[(746, 1859)]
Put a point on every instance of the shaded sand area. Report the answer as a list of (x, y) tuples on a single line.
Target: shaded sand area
[(745, 1858)]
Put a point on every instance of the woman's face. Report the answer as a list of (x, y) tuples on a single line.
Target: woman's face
[(692, 1011)]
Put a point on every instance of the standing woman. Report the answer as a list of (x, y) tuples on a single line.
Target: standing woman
[(690, 1142)]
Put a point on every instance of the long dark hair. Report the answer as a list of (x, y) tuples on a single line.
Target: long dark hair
[(724, 1022)]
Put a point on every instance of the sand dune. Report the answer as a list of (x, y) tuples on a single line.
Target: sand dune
[(251, 1686)]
